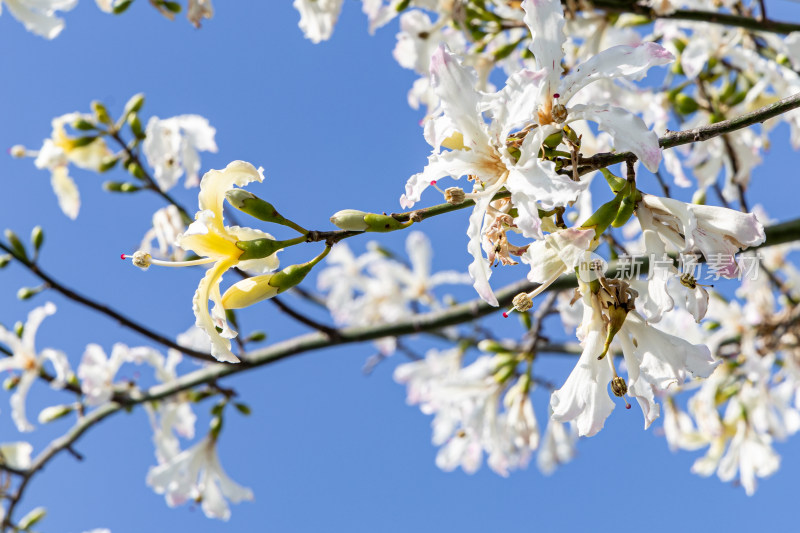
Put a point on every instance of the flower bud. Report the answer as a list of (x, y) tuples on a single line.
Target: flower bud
[(10, 383), (54, 412), (120, 186), (16, 244), (83, 125), (108, 163), (25, 293), (685, 104), (134, 104), (249, 203), (136, 126), (101, 113), (4, 260), (350, 220), (32, 518), (37, 237), (248, 292), (384, 223)]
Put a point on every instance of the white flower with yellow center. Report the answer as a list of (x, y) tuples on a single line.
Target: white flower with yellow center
[(25, 359), (215, 242)]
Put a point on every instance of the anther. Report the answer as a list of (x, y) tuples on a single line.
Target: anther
[(454, 195)]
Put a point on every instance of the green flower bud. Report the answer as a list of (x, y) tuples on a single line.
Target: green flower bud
[(174, 7), (249, 203), (216, 427), (25, 293), (384, 223), (122, 7), (554, 139), (256, 336), (49, 414), (606, 213), (83, 125), (32, 518), (685, 104), (10, 383), (16, 244), (80, 142), (108, 163), (243, 408), (136, 126), (101, 113), (5, 260), (37, 237), (134, 104), (120, 186), (135, 170)]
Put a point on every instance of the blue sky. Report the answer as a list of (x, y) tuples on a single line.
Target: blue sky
[(326, 448)]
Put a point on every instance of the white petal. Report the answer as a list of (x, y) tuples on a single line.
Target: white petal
[(629, 131), (628, 62), (479, 268), (545, 19)]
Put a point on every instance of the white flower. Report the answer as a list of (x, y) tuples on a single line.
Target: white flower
[(318, 17), (173, 416), (195, 474), (97, 371), (168, 225), (172, 145), (558, 446), (198, 10), (214, 242), (59, 151), (16, 455), (716, 232), (38, 16), (25, 359), (584, 396)]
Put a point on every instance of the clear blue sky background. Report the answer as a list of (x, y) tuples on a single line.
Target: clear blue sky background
[(326, 448)]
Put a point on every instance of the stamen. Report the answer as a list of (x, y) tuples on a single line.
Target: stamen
[(433, 184), (143, 260)]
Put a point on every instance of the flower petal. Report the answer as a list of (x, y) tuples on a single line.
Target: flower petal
[(220, 347), (629, 131), (545, 19), (216, 183)]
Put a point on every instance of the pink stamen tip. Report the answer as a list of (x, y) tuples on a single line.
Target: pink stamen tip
[(122, 256), (627, 406), (556, 95), (505, 314), (433, 182)]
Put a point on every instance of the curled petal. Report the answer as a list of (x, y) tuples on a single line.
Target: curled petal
[(479, 269), (220, 347), (69, 199), (216, 183), (454, 85), (627, 62), (248, 292), (629, 131)]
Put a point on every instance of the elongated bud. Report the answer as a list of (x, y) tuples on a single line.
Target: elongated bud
[(4, 260), (32, 518), (108, 163), (259, 248), (134, 104), (121, 7), (37, 237), (256, 336), (120, 186), (243, 408), (25, 293), (350, 220), (554, 139), (48, 414), (83, 125), (685, 104), (136, 126), (606, 213), (249, 203), (80, 142), (626, 208), (616, 183), (135, 170), (384, 223), (10, 383), (16, 244), (101, 113), (492, 346), (248, 292), (616, 318), (216, 427)]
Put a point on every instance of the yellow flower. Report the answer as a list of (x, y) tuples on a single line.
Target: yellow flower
[(215, 242)]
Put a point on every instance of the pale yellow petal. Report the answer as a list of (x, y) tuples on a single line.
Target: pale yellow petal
[(254, 266), (67, 192), (220, 347), (248, 292), (216, 183), (210, 245)]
